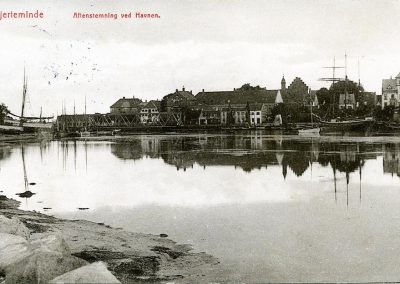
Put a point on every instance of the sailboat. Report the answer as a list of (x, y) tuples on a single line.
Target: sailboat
[(26, 124), (312, 131)]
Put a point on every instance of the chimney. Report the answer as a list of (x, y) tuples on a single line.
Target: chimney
[(176, 90), (123, 97), (183, 88), (234, 89), (191, 92), (203, 90)]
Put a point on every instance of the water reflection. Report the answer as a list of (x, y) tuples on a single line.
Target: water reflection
[(329, 161), (251, 152)]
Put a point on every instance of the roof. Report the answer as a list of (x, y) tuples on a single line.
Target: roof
[(255, 106), (185, 94), (237, 97), (153, 104), (126, 102), (388, 84), (398, 75)]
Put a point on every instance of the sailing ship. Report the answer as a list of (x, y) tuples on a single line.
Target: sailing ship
[(348, 123), (13, 123)]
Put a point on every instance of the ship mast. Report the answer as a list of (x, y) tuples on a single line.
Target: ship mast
[(333, 79), (24, 89), (345, 82)]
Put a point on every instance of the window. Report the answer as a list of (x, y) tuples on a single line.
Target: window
[(258, 113)]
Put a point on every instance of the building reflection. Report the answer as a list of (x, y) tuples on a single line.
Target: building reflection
[(253, 151), (391, 159)]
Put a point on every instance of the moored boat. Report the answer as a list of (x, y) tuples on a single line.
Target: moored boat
[(348, 124)]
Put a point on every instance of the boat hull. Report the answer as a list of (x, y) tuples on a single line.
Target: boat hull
[(351, 125)]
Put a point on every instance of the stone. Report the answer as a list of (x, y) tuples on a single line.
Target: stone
[(41, 267), (49, 243), (13, 226), (12, 249), (96, 272)]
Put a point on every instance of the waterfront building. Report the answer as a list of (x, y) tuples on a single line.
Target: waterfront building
[(391, 91), (208, 115), (177, 101), (347, 101), (126, 106), (297, 93), (150, 112), (243, 105)]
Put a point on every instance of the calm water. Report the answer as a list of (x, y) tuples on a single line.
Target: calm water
[(271, 208)]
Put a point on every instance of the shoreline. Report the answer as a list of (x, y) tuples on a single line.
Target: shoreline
[(129, 256)]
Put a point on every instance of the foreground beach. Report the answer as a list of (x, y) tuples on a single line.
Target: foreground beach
[(37, 248)]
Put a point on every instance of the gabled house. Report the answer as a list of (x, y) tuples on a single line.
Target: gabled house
[(177, 101), (296, 93), (150, 112), (347, 101), (391, 91), (126, 106)]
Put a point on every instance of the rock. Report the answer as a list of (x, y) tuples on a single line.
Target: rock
[(8, 203), (13, 249), (163, 235), (50, 243), (96, 272), (41, 267), (13, 226)]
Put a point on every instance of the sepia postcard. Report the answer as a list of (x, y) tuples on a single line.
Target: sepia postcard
[(212, 141)]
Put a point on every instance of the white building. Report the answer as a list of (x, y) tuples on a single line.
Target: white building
[(391, 91), (150, 114)]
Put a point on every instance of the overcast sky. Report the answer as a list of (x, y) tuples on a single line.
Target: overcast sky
[(215, 45)]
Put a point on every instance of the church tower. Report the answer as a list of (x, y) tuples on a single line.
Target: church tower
[(283, 83)]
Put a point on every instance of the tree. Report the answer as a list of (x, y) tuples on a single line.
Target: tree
[(3, 112), (248, 87), (324, 98), (342, 86)]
